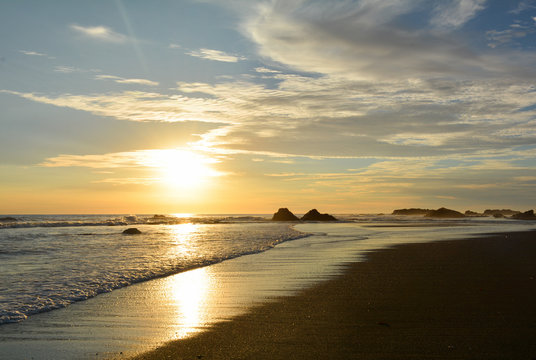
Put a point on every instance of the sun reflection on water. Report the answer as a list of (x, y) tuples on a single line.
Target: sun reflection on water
[(182, 232)]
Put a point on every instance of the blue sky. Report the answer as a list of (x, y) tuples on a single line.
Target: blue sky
[(348, 106)]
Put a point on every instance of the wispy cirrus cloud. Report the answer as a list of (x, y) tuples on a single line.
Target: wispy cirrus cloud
[(215, 55), (32, 53), (523, 6), (101, 32), (121, 80), (137, 105), (370, 40), (453, 14), (36, 54), (510, 35), (379, 87)]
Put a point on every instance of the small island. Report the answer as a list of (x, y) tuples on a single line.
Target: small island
[(314, 215), (527, 215), (411, 211), (444, 213), (439, 213), (501, 212), (284, 214)]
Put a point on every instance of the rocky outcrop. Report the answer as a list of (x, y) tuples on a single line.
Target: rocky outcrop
[(412, 211), (284, 214), (503, 212), (444, 213), (131, 231), (527, 215), (470, 213), (314, 215), (7, 219)]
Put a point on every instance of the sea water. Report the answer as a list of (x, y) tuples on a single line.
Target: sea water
[(49, 262)]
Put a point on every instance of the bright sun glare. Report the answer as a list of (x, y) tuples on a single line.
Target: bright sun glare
[(182, 168)]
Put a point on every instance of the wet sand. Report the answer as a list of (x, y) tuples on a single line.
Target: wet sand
[(460, 299)]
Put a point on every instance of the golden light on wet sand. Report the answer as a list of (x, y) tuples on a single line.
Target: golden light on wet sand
[(190, 291)]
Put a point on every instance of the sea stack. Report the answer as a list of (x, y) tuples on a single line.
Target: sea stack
[(527, 215), (444, 213), (284, 214), (314, 215), (131, 231)]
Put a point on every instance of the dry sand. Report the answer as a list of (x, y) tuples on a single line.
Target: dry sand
[(462, 299)]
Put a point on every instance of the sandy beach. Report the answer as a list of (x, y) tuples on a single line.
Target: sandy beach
[(460, 299)]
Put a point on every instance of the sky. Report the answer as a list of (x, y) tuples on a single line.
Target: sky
[(245, 106)]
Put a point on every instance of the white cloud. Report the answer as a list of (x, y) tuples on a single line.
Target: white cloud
[(121, 80), (32, 53), (138, 106), (99, 33), (523, 6), (215, 55), (66, 69), (368, 40), (331, 116), (513, 32), (174, 46), (264, 70), (138, 81), (455, 13), (420, 139)]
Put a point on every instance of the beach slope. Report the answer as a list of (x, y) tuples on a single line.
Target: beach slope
[(460, 299)]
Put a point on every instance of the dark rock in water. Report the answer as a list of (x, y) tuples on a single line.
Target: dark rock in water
[(444, 213), (503, 212), (498, 216), (132, 231), (284, 214), (8, 218), (527, 215), (314, 215), (412, 211)]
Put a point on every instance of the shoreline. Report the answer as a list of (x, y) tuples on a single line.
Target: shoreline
[(453, 299)]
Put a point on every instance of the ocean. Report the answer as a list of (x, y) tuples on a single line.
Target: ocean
[(49, 262)]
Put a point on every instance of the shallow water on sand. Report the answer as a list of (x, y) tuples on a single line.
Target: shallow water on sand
[(144, 315)]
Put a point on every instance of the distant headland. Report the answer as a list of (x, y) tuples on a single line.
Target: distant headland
[(448, 213)]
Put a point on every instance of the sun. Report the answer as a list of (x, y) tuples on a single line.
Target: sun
[(182, 168)]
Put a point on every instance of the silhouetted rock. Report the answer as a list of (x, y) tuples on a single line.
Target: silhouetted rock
[(131, 231), (444, 213), (412, 211), (527, 215), (314, 215), (498, 216), (158, 216), (8, 219), (503, 212), (472, 214), (284, 214)]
